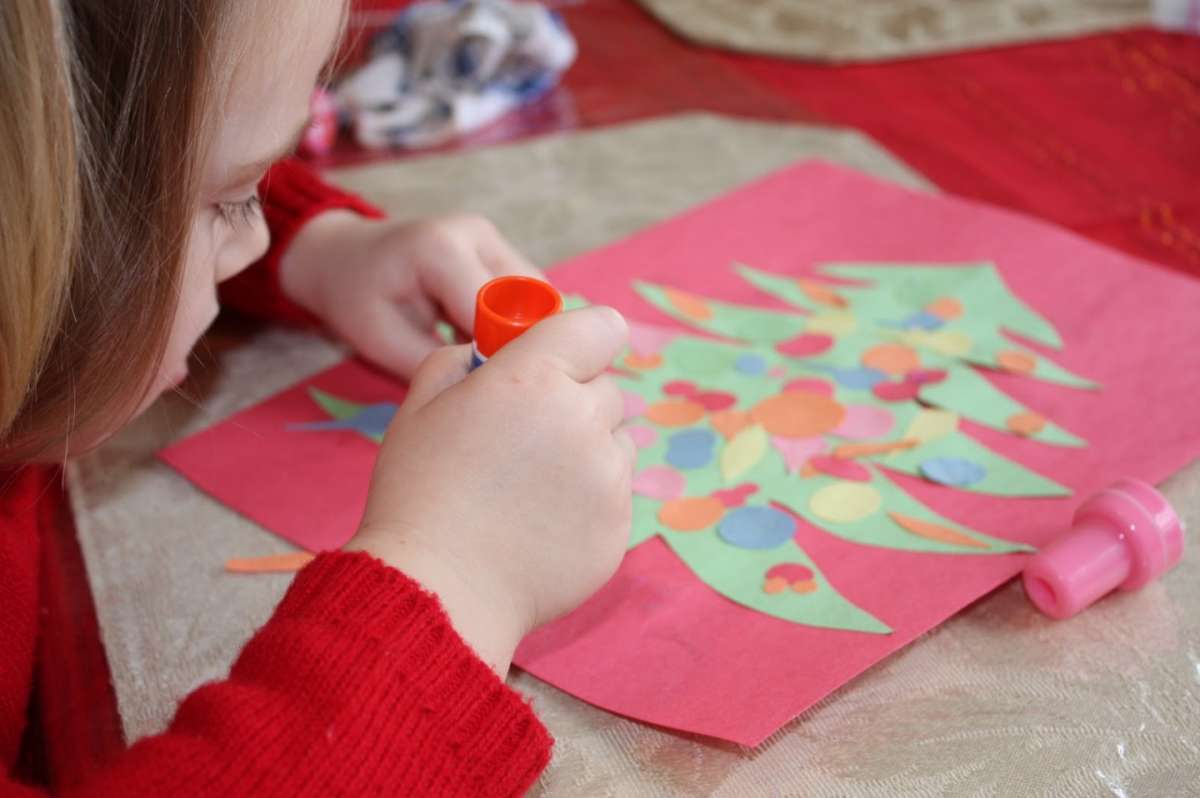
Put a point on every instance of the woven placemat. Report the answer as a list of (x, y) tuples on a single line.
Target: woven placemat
[(874, 30)]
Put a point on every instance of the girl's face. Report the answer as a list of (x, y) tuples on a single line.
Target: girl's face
[(261, 121)]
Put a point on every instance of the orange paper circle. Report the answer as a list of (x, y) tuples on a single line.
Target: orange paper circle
[(894, 359), (798, 414), (644, 362), (807, 586), (689, 305), (729, 422), (691, 513), (1016, 362), (775, 584), (675, 413), (945, 307), (1027, 423)]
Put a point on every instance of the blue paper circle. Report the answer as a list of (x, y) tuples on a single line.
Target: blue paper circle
[(923, 320), (954, 471), (751, 364), (691, 448), (756, 527), (862, 378)]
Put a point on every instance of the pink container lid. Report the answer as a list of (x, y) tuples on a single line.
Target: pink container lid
[(1120, 539)]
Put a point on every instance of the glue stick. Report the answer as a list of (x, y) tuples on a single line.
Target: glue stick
[(506, 307)]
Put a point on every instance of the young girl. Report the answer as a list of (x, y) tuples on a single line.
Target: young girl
[(134, 136)]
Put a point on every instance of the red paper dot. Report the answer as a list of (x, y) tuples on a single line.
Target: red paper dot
[(790, 571), (926, 376), (715, 401), (805, 345), (679, 388), (735, 497), (840, 468), (896, 391)]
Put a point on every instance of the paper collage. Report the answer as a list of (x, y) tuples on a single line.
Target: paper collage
[(811, 407), (858, 408)]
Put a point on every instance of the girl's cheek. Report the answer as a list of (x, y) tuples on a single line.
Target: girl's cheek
[(242, 247)]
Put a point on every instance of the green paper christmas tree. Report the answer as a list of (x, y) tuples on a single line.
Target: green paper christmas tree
[(804, 409)]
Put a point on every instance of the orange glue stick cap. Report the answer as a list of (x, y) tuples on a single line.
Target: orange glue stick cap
[(508, 306)]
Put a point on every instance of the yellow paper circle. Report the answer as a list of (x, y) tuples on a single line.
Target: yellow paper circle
[(845, 502), (949, 342), (835, 323)]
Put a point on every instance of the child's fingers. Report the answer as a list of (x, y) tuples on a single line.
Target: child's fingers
[(581, 343), (610, 405), (454, 283), (627, 446), (442, 369), (501, 258), (388, 339)]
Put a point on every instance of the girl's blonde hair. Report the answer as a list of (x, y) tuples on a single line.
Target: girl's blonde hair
[(38, 180), (100, 142)]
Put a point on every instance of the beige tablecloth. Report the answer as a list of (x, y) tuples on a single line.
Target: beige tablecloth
[(875, 30), (998, 701)]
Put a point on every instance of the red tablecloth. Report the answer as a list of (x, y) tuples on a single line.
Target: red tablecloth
[(1101, 135)]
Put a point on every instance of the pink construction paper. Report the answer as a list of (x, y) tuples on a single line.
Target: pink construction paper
[(655, 643), (309, 487)]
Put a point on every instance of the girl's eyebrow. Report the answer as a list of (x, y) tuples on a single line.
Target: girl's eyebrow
[(248, 172)]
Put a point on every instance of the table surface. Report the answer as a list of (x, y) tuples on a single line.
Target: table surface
[(997, 701)]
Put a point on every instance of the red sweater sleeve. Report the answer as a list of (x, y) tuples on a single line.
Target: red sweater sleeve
[(358, 685), (291, 196)]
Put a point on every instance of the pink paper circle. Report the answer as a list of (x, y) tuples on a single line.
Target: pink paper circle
[(643, 437), (634, 404), (862, 422), (659, 482), (796, 451), (842, 469)]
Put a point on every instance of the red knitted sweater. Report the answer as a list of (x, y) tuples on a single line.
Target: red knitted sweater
[(358, 685)]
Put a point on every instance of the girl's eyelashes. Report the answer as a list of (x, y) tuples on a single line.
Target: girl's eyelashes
[(241, 214)]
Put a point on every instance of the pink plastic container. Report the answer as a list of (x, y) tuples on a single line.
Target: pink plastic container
[(1120, 539)]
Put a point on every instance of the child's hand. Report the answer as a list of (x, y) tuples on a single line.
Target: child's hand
[(507, 493), (382, 285)]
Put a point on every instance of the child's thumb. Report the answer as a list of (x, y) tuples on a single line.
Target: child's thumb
[(581, 343), (441, 369)]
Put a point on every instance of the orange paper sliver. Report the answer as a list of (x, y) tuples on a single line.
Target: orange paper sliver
[(274, 563)]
